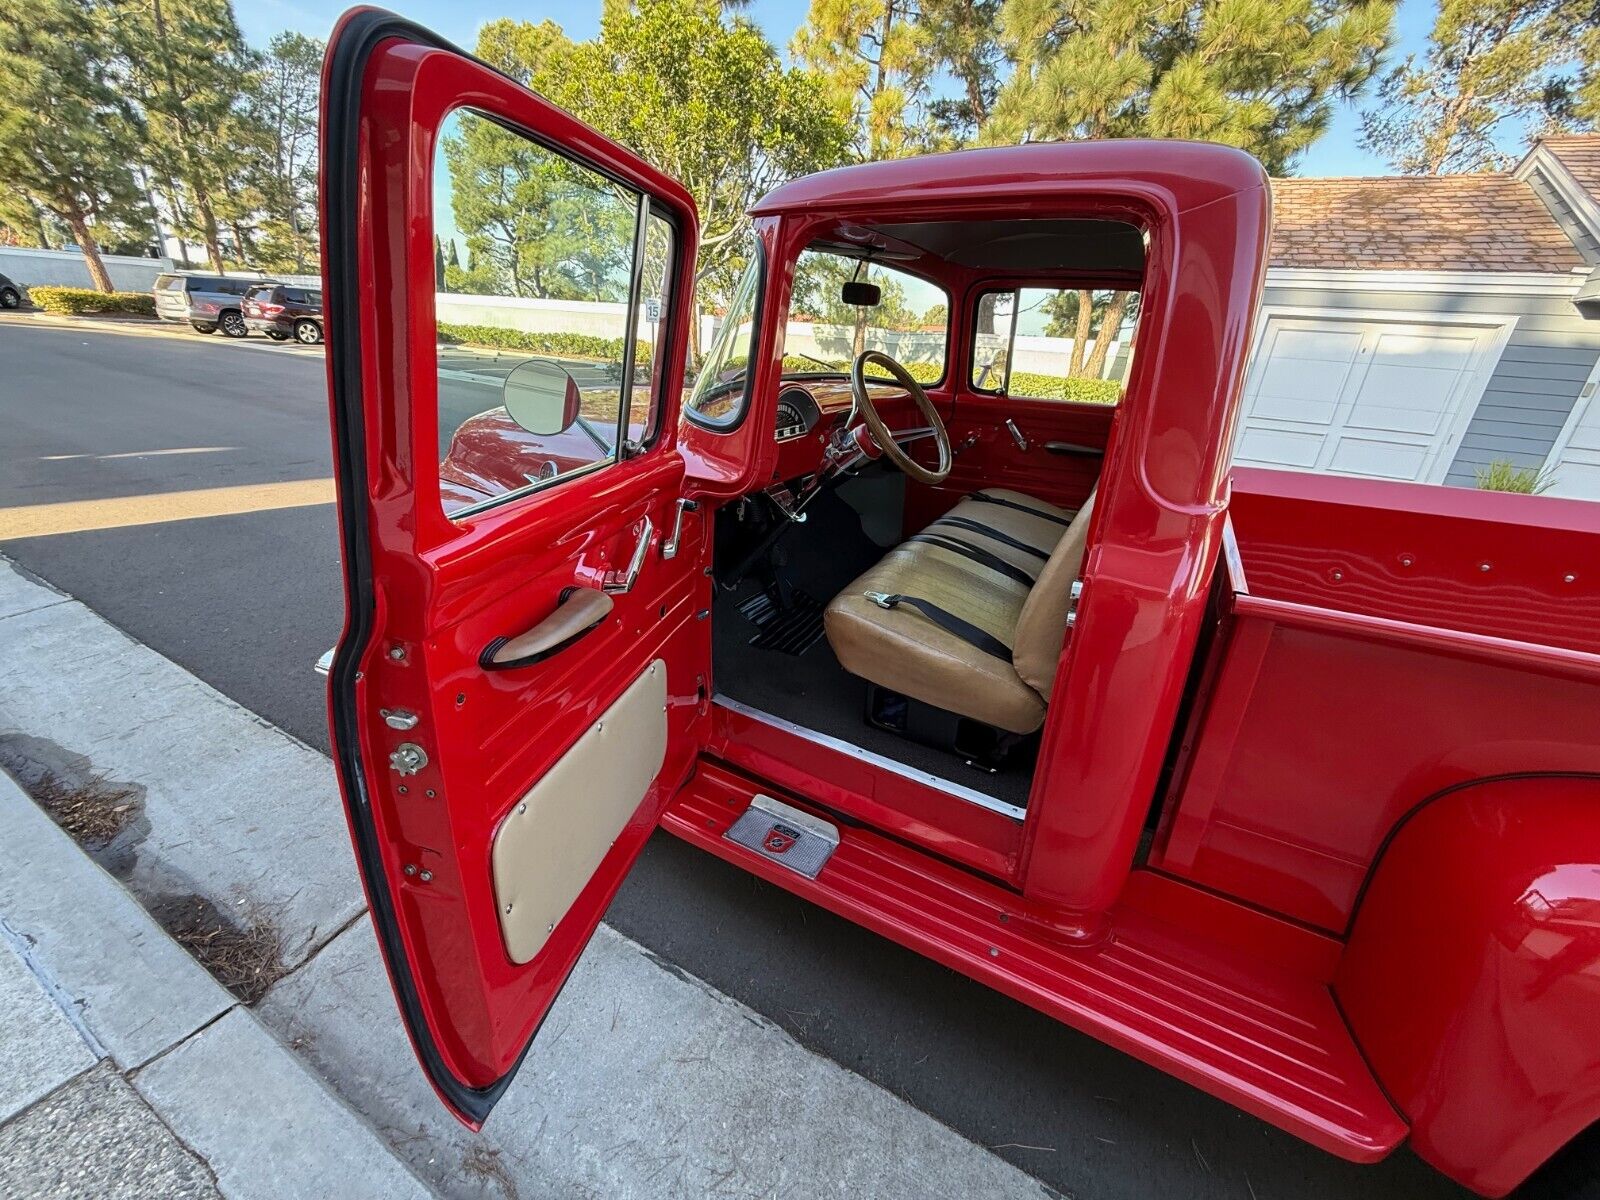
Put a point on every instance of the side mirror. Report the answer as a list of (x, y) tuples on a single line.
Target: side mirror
[(862, 295), (541, 397)]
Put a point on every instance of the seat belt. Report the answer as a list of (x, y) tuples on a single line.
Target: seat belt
[(1034, 512), (977, 638), (1005, 539), (982, 557)]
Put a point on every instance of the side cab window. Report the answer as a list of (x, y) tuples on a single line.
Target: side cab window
[(550, 281), (1054, 343)]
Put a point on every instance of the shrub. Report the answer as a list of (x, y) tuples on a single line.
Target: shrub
[(77, 301), (557, 345), (1051, 387), (1503, 475)]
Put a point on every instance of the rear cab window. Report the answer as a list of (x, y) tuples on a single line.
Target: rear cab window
[(1054, 343)]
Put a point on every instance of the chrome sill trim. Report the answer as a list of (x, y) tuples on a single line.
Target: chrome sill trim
[(954, 790)]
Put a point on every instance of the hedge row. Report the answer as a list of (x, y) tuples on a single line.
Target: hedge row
[(1052, 387), (1023, 383), (558, 345), (86, 300)]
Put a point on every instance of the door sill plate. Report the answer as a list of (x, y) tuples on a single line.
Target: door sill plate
[(786, 836)]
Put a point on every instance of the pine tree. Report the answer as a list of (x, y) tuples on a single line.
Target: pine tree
[(188, 66), (1495, 72), (1262, 75), (874, 58), (68, 138), (963, 36), (281, 100)]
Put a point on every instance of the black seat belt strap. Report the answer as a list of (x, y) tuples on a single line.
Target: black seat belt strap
[(988, 499), (980, 556), (977, 638), (1005, 539)]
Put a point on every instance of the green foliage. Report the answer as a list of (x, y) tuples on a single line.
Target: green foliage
[(68, 137), (557, 345), (185, 63), (1503, 475), (1262, 75), (1053, 387), (1491, 67), (281, 100), (78, 301), (536, 224), (702, 96), (872, 56)]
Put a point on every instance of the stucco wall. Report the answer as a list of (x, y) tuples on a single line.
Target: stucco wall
[(66, 268)]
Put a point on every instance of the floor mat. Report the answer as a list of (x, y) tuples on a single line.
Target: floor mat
[(813, 691), (792, 631)]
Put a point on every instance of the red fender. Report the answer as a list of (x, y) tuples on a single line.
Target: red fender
[(1472, 975)]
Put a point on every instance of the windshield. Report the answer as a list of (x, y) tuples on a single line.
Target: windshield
[(824, 334), (718, 396)]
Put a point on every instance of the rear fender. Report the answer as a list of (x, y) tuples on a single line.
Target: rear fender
[(1471, 979)]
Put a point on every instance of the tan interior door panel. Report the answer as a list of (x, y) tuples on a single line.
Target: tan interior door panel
[(553, 840)]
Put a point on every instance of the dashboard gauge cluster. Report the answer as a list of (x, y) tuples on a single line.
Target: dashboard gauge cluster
[(798, 414)]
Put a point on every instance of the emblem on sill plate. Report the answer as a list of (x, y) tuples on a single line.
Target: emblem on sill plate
[(785, 835), (780, 839)]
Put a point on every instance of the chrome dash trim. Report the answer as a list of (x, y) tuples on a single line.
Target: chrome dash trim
[(926, 779)]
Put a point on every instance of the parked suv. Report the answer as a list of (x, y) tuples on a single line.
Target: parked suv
[(282, 311), (10, 294), (207, 302)]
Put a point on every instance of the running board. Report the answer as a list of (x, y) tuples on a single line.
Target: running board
[(1265, 1039)]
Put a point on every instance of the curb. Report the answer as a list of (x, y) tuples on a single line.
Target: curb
[(261, 1119)]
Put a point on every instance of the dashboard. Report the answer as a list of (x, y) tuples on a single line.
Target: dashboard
[(809, 414), (798, 413)]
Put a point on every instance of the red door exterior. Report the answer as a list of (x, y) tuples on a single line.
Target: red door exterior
[(437, 749)]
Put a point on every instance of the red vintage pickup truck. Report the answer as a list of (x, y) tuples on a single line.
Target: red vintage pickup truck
[(1288, 785)]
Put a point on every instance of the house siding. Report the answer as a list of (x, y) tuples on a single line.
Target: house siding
[(1535, 384)]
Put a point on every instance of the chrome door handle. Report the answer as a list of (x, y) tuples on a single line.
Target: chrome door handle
[(617, 582), (1017, 435), (669, 548)]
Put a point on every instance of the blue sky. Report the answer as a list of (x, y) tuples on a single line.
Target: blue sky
[(1335, 154)]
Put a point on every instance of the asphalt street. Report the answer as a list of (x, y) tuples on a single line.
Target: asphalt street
[(248, 600)]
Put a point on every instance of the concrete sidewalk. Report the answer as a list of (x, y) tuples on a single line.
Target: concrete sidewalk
[(645, 1081), (127, 1071)]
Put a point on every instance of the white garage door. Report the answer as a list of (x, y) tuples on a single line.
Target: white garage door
[(1574, 466), (1384, 399)]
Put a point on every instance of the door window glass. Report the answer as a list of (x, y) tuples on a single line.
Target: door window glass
[(1054, 343), (537, 286)]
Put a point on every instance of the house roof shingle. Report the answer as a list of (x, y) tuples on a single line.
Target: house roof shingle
[(1488, 222), (1580, 155)]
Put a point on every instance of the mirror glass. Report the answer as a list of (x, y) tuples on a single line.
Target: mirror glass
[(542, 397), (863, 295)]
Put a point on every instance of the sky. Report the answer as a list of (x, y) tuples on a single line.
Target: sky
[(1336, 153)]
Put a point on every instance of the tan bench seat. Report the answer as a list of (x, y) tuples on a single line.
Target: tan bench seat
[(976, 609)]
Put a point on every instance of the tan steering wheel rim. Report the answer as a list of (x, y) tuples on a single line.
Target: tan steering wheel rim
[(882, 435)]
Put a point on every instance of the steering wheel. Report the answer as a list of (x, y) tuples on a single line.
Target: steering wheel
[(882, 435)]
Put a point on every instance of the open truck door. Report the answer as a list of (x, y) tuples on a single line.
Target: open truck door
[(520, 686)]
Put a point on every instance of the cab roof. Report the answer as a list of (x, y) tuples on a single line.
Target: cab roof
[(1192, 173)]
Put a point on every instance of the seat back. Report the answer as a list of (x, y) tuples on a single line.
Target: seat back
[(1042, 624)]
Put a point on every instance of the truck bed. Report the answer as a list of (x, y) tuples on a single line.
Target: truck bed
[(1375, 645)]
